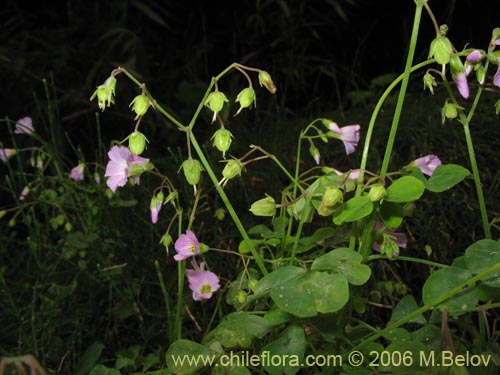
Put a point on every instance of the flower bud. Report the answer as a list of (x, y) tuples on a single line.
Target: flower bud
[(449, 111), (480, 75), (232, 169), (140, 105), (2, 213), (497, 107), (203, 248), (456, 65), (137, 143), (377, 192), (215, 101), (246, 98), (192, 171), (313, 150), (166, 240), (495, 36), (220, 214), (332, 196), (266, 81), (264, 207), (222, 140), (241, 296), (441, 49), (429, 82)]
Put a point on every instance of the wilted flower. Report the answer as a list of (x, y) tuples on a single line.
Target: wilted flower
[(202, 283), (7, 153), (24, 126), (348, 134), (24, 193), (77, 172), (427, 164), (122, 165), (186, 246), (390, 235), (353, 174)]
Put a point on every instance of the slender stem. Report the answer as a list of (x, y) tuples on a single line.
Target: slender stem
[(166, 300), (402, 92), (409, 259)]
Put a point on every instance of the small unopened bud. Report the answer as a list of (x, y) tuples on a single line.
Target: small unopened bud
[(480, 75), (192, 171), (222, 140), (137, 143), (332, 196), (140, 105), (246, 98), (264, 207), (215, 101), (456, 65), (441, 49), (266, 81), (313, 150), (2, 213), (220, 214), (203, 248), (377, 192), (497, 107), (429, 82), (166, 240)]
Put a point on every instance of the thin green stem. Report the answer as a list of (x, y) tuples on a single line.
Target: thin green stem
[(409, 259), (402, 92), (166, 300)]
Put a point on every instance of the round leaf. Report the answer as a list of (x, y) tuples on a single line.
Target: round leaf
[(354, 209), (446, 176), (405, 189)]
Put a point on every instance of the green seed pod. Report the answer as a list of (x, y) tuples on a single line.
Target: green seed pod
[(264, 207), (137, 143), (246, 98), (215, 101), (332, 196), (441, 49), (377, 192), (166, 240), (192, 171), (140, 105), (449, 111), (222, 140), (232, 169)]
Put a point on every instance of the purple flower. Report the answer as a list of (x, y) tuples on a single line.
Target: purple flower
[(496, 77), (6, 153), (155, 206), (77, 172), (186, 246), (427, 164), (24, 193), (353, 175), (122, 165), (462, 85), (398, 237), (24, 126), (202, 283), (348, 134), (475, 56)]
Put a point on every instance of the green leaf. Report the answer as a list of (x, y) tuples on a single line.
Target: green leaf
[(275, 278), (186, 357), (240, 329), (346, 262), (446, 176), (311, 292), (392, 214), (405, 189), (291, 345), (482, 255), (405, 307), (89, 358), (243, 247), (354, 209), (441, 282)]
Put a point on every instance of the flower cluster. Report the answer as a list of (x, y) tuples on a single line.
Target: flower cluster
[(203, 283)]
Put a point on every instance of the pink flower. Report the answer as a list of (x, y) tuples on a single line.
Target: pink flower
[(155, 206), (496, 77), (24, 126), (122, 165), (24, 193), (6, 153), (186, 246), (462, 85), (202, 283), (353, 175), (475, 56), (348, 134), (427, 164), (77, 172), (390, 235)]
